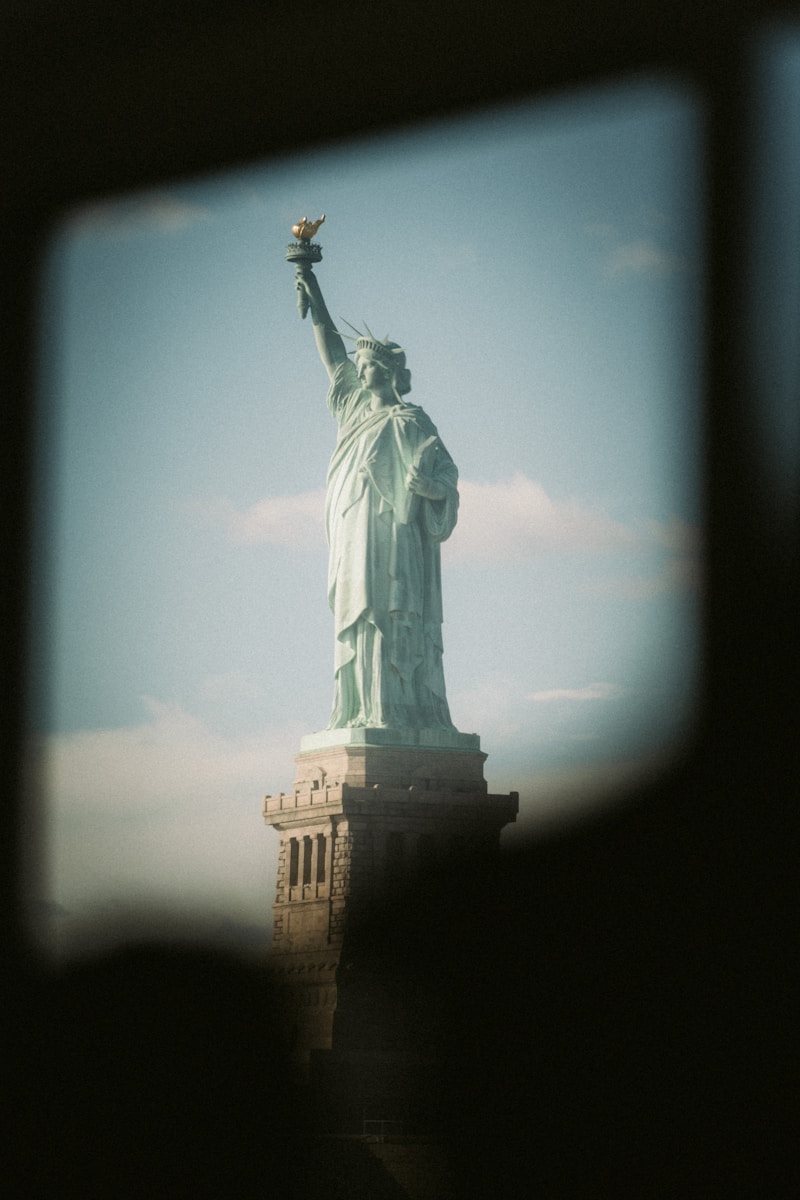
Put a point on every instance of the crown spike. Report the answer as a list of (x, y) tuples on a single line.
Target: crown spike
[(349, 336)]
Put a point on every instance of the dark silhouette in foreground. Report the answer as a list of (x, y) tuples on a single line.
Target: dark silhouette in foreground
[(604, 1014)]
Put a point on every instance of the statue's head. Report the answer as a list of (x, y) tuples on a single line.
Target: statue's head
[(390, 356)]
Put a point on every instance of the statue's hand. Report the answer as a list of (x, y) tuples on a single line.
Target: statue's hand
[(308, 293), (424, 485)]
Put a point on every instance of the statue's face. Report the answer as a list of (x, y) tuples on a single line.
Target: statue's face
[(373, 374)]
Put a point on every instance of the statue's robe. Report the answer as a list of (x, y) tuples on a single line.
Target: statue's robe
[(384, 576)]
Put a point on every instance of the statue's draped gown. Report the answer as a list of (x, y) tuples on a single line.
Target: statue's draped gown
[(384, 576)]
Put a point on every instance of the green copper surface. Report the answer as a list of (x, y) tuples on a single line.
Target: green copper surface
[(392, 499)]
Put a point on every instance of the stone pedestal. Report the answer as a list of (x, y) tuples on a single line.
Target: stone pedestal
[(367, 810)]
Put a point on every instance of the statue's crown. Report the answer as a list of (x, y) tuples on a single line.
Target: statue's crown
[(387, 354)]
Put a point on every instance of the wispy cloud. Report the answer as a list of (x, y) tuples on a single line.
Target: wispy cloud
[(165, 813), (641, 257), (680, 574), (624, 253), (283, 520), (155, 212), (277, 520), (511, 521), (590, 691), (499, 523), (676, 536), (172, 758)]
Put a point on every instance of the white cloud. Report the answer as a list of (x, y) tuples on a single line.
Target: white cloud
[(511, 521), (641, 257), (676, 536), (499, 523), (172, 758), (591, 691), (297, 521), (282, 520), (155, 212), (161, 815), (680, 574)]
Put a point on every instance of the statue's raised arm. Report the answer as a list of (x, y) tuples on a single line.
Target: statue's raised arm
[(331, 348)]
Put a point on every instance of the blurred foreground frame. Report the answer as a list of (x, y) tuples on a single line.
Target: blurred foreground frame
[(616, 1001)]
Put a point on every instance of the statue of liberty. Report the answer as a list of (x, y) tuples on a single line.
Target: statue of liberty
[(392, 498)]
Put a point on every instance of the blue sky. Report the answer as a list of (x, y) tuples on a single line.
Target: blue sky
[(542, 267)]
